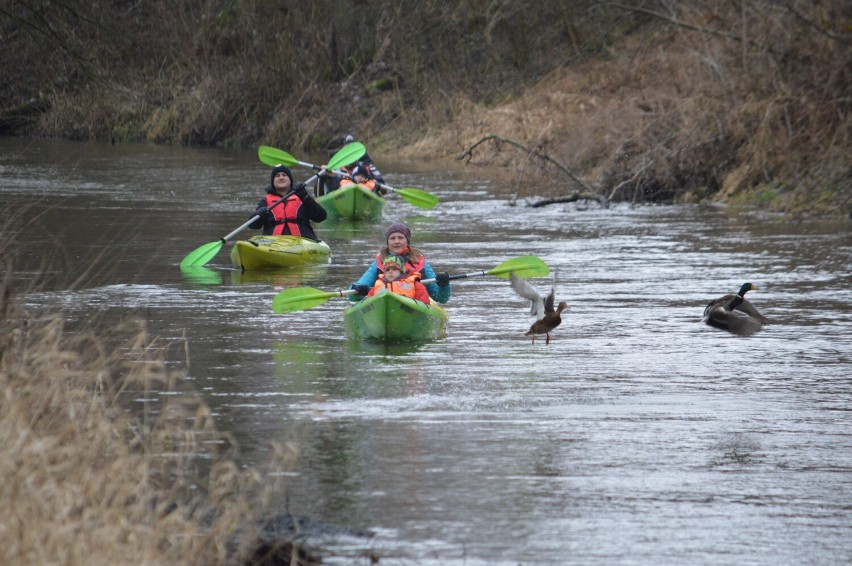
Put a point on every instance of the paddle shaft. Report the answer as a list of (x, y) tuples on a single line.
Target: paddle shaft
[(460, 276), (301, 298), (416, 197), (257, 216), (338, 172)]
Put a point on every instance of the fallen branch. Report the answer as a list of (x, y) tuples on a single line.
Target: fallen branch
[(468, 155), (632, 179), (571, 198)]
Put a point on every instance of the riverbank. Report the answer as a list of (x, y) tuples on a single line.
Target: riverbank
[(741, 104)]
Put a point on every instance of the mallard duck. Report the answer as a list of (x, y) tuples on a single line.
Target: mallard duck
[(735, 314), (547, 318)]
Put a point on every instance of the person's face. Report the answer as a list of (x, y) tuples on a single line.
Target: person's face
[(397, 242), (281, 182), (392, 273)]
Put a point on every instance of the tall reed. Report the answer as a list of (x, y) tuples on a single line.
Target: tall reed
[(92, 475)]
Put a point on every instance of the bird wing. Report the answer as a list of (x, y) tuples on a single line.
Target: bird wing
[(732, 320), (527, 291), (749, 309), (721, 302), (550, 300)]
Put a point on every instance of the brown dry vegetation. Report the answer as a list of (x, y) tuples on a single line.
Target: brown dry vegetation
[(91, 476), (744, 101)]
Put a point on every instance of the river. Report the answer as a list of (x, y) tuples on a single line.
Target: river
[(639, 435)]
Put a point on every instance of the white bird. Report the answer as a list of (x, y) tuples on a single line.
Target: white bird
[(546, 317)]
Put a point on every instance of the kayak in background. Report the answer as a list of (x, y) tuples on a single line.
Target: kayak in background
[(353, 202)]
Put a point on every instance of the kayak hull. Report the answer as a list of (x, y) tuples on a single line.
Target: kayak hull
[(263, 252), (353, 202), (388, 317)]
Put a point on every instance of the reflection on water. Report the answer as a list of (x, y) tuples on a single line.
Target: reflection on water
[(202, 275), (639, 435), (278, 277)]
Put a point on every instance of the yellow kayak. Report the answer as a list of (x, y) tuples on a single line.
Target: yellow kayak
[(261, 252)]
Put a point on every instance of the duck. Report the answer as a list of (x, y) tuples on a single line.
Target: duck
[(735, 313), (547, 318)]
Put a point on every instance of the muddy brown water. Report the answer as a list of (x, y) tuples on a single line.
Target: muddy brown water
[(638, 436)]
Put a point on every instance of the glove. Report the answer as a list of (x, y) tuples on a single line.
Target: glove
[(264, 213), (300, 191), (442, 279), (361, 289)]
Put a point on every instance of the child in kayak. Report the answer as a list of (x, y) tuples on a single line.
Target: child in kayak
[(361, 176), (398, 240), (396, 280)]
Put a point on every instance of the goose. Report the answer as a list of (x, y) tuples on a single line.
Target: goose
[(735, 314), (547, 318)]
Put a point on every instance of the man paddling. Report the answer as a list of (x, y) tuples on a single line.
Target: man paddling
[(294, 215)]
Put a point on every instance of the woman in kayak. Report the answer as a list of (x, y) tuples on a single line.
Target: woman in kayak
[(398, 243), (395, 279), (293, 215)]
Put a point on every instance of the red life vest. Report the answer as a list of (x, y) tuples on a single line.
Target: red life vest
[(285, 214)]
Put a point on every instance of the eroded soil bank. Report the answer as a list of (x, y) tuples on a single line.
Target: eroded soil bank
[(745, 103)]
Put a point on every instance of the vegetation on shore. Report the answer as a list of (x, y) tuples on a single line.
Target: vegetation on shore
[(110, 458), (745, 102)]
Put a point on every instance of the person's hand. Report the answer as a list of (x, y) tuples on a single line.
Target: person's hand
[(361, 289), (300, 191), (264, 212), (442, 279)]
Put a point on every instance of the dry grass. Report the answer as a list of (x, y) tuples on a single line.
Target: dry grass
[(695, 106), (655, 100), (91, 476)]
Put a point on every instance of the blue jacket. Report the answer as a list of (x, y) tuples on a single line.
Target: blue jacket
[(439, 294)]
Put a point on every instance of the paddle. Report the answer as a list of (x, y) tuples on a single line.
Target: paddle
[(273, 156), (203, 254), (303, 298), (411, 195)]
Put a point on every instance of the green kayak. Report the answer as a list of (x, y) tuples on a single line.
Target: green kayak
[(353, 202), (388, 317)]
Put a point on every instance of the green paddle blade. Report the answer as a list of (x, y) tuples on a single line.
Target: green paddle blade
[(202, 254), (274, 156), (525, 266), (300, 298), (349, 153), (417, 197)]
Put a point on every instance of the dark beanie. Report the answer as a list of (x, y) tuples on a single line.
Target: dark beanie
[(280, 169), (401, 228)]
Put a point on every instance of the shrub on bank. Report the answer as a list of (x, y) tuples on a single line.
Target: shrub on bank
[(92, 476)]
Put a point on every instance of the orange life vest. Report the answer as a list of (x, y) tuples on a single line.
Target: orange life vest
[(410, 266), (285, 214), (369, 185), (403, 286)]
